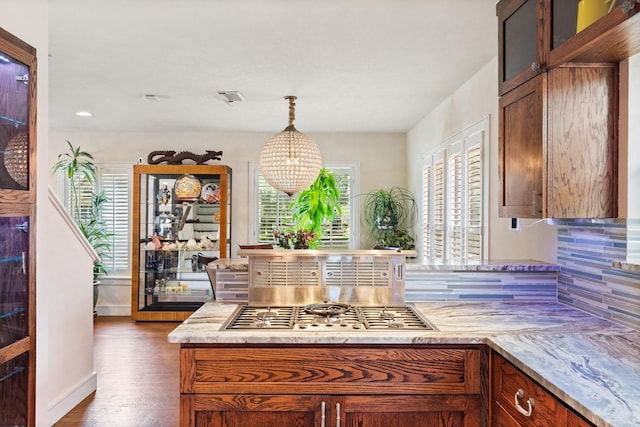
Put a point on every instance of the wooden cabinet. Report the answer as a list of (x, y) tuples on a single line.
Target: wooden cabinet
[(523, 40), (518, 401), (521, 143), (364, 386), (535, 35), (557, 144), (17, 231), (181, 221), (582, 154)]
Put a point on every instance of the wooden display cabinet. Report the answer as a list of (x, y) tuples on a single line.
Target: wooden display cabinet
[(352, 386), (181, 221), (17, 231)]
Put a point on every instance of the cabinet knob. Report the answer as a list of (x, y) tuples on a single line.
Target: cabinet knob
[(337, 415), (535, 66), (530, 403)]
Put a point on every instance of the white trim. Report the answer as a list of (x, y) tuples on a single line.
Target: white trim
[(62, 211), (69, 401)]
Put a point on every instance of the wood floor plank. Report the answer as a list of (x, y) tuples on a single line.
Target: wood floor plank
[(138, 377)]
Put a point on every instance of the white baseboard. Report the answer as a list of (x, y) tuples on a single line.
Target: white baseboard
[(71, 400), (113, 310)]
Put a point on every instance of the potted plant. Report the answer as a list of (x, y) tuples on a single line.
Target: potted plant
[(389, 215), (77, 166), (316, 206)]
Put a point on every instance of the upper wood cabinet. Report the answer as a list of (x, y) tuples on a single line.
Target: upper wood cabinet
[(521, 141), (535, 35), (522, 37), (582, 155), (557, 144)]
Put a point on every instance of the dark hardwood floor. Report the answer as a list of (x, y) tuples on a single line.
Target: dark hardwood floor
[(138, 377)]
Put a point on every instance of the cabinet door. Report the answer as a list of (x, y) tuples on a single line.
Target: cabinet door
[(521, 142), (582, 142), (404, 411), (523, 33), (252, 410), (523, 399)]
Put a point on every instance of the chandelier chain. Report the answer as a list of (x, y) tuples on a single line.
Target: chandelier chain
[(292, 108)]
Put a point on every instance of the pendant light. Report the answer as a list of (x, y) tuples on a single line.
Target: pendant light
[(290, 161)]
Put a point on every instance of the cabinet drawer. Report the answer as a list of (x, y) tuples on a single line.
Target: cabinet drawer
[(508, 381), (354, 370)]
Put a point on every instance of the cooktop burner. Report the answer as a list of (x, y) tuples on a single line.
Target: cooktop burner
[(327, 317)]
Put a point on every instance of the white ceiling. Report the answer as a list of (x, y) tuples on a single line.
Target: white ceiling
[(355, 65)]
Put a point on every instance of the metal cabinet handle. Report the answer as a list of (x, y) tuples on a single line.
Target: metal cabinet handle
[(530, 402), (322, 418), (535, 66), (337, 415)]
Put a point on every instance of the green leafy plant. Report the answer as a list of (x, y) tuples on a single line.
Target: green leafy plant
[(389, 215), (317, 205), (77, 166)]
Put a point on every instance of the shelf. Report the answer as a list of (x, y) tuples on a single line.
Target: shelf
[(14, 122), (613, 38), (12, 313), (17, 370)]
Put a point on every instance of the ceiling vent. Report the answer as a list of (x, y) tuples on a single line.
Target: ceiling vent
[(231, 96)]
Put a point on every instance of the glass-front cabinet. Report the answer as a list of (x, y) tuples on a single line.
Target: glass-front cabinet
[(17, 231), (182, 221)]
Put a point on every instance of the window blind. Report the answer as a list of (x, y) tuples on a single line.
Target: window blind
[(453, 199)]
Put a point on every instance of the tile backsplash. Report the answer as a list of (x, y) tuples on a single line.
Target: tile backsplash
[(587, 280)]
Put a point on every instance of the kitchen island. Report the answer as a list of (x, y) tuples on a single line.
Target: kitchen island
[(590, 364)]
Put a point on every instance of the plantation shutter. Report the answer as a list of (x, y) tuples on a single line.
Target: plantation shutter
[(274, 212), (427, 213), (474, 217), (455, 247), (439, 207), (453, 199), (115, 213)]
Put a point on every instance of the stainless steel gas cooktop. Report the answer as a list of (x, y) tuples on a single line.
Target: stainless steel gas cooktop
[(328, 317)]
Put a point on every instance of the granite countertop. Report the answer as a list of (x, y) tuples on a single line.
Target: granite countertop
[(591, 364)]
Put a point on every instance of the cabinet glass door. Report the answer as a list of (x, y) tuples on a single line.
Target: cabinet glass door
[(179, 235), (14, 279), (14, 113), (520, 37)]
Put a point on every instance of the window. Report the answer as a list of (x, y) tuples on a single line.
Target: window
[(270, 209), (453, 197), (115, 181)]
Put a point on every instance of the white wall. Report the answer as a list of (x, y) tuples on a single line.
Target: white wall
[(64, 340), (477, 98)]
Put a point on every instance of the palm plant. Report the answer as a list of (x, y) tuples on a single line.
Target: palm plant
[(78, 167)]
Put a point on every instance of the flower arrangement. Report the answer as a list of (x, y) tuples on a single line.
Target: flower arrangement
[(300, 239)]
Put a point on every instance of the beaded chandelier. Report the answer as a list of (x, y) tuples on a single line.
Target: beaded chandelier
[(290, 161)]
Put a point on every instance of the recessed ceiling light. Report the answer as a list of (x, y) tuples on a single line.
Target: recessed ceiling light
[(84, 114), (151, 98)]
